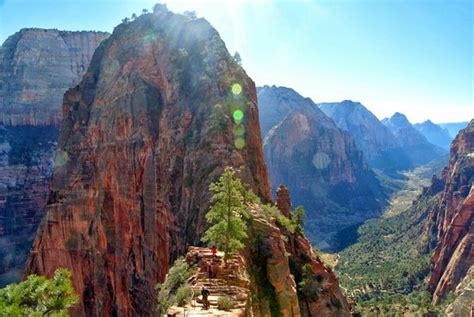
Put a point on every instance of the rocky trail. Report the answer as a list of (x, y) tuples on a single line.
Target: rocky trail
[(226, 280)]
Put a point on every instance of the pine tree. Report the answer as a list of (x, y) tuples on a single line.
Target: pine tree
[(298, 219), (237, 58), (228, 228), (39, 296)]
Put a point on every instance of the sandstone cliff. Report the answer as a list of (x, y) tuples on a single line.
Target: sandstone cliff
[(155, 119), (323, 169), (452, 219), (36, 67)]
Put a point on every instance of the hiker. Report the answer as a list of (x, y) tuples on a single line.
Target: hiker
[(214, 251), (205, 294), (209, 269)]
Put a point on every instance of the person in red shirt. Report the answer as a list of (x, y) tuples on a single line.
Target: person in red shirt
[(214, 251)]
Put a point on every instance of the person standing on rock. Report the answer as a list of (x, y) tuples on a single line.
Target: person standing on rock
[(214, 251), (209, 269), (205, 297)]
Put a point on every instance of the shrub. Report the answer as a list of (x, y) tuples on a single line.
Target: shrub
[(225, 303), (175, 280), (183, 295)]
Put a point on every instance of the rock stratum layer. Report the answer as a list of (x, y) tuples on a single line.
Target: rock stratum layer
[(144, 134), (322, 167), (36, 67), (452, 219)]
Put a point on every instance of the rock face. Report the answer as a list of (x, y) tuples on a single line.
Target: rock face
[(463, 305), (415, 145), (278, 261), (453, 218), (380, 147), (26, 165), (36, 67), (144, 134), (325, 172), (435, 134)]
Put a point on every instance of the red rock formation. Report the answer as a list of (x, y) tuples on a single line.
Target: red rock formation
[(330, 301), (144, 134), (453, 218), (283, 201)]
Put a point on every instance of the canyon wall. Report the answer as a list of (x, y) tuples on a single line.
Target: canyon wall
[(37, 66)]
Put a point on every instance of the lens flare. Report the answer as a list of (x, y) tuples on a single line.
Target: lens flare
[(321, 160), (238, 115), (239, 130), (61, 158), (236, 89), (239, 143)]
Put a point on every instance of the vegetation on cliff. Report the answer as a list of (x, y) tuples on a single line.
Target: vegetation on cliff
[(39, 296)]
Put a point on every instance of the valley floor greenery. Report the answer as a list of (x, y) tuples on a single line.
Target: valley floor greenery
[(386, 270)]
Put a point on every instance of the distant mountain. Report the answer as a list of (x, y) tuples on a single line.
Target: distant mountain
[(435, 134), (454, 127), (381, 148), (416, 146), (321, 166), (275, 103)]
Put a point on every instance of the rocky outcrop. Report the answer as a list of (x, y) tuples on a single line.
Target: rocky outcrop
[(463, 304), (161, 111), (380, 147), (325, 172), (419, 150), (435, 134), (36, 67), (452, 219)]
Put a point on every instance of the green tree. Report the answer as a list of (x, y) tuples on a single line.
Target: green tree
[(237, 58), (228, 228), (298, 219), (39, 296)]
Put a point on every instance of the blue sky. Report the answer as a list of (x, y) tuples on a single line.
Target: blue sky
[(414, 57)]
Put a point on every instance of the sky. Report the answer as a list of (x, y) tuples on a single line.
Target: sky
[(410, 56)]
